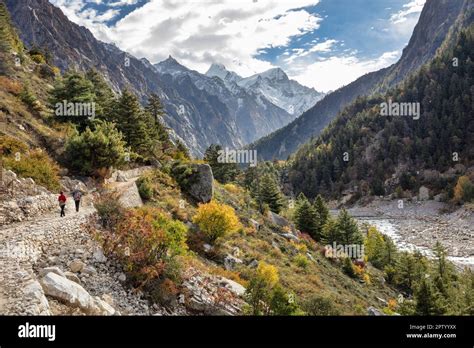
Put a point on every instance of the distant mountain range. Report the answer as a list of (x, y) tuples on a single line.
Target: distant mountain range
[(436, 19), (274, 85), (200, 109)]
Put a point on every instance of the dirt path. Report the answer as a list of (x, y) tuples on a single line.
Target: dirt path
[(50, 240)]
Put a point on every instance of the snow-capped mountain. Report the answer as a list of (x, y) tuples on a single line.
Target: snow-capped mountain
[(274, 85), (250, 115)]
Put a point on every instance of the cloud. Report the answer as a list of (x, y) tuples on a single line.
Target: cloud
[(331, 73), (231, 32), (413, 7)]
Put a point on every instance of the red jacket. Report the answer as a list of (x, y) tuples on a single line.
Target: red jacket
[(62, 198)]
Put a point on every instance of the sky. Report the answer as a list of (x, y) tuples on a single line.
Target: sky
[(324, 44)]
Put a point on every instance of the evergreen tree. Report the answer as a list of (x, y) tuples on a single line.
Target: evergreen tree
[(154, 107), (96, 149), (223, 172), (269, 193), (322, 212), (306, 218), (72, 88), (133, 122), (104, 96), (426, 299), (347, 229)]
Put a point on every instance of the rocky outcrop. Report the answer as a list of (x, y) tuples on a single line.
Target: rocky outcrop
[(212, 295), (23, 199), (202, 183)]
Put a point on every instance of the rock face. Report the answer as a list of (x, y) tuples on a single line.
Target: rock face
[(24, 199), (202, 187), (212, 295)]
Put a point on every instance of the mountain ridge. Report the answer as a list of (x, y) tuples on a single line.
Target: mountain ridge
[(436, 19)]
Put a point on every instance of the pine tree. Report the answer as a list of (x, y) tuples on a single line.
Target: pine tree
[(154, 107), (269, 193), (104, 96), (306, 218), (322, 212), (133, 122), (347, 229), (426, 299)]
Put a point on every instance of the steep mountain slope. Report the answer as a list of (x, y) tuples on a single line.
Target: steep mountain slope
[(274, 85), (195, 115), (436, 19), (369, 152), (250, 114)]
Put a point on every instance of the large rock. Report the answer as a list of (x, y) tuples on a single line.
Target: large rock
[(67, 291), (423, 193), (231, 261), (277, 219), (202, 181), (74, 295)]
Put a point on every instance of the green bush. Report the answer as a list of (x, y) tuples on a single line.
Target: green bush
[(320, 305), (93, 150), (145, 188), (36, 165)]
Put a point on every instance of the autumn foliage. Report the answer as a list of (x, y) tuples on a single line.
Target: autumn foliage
[(216, 220)]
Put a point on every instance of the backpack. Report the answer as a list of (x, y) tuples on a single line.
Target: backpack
[(77, 195)]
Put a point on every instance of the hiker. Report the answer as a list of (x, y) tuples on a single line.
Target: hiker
[(76, 195), (62, 203)]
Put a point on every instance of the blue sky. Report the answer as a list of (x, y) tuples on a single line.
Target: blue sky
[(323, 44)]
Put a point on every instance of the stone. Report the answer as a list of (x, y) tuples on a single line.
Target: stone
[(53, 269), (98, 256), (67, 291), (122, 277), (277, 219), (372, 311), (121, 177), (207, 247), (109, 299), (76, 266), (231, 261), (89, 270), (100, 307), (35, 292), (440, 197), (255, 224), (235, 287), (202, 183), (72, 277), (423, 193), (253, 264), (290, 236)]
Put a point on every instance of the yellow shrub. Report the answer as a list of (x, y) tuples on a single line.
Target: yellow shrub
[(267, 273), (232, 188), (216, 220)]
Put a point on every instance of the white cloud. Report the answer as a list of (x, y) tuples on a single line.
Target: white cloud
[(231, 32), (413, 7), (334, 72)]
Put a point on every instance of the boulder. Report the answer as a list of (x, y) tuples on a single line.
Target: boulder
[(372, 311), (423, 193), (231, 261), (76, 266), (235, 287), (277, 219), (34, 291), (67, 291), (255, 224), (202, 183), (54, 269)]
